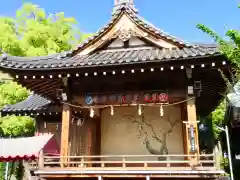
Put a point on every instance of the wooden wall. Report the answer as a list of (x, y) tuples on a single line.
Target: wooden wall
[(121, 133), (81, 137), (86, 139)]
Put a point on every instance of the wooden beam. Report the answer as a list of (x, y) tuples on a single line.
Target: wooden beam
[(98, 122), (66, 115), (192, 119), (41, 159), (184, 129), (32, 84), (89, 143), (191, 109), (192, 122), (42, 84), (53, 87), (47, 92), (135, 176)]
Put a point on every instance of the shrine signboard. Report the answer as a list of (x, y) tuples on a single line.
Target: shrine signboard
[(126, 98), (192, 139)]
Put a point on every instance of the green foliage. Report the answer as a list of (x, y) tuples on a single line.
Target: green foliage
[(11, 93), (206, 137), (35, 33), (224, 163), (18, 170), (2, 166), (15, 168), (32, 32), (230, 47), (15, 126), (218, 118)]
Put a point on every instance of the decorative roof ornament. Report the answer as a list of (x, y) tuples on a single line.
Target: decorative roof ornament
[(119, 3), (125, 34)]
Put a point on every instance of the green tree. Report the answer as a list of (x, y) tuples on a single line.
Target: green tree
[(32, 32), (11, 93), (24, 126), (218, 118), (230, 47)]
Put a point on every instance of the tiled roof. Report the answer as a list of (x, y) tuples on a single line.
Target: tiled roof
[(139, 21), (107, 57), (69, 59), (34, 103)]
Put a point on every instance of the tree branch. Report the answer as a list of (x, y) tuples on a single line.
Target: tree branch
[(152, 130), (143, 134), (172, 124)]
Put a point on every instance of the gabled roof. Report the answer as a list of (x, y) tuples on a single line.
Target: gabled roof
[(74, 59), (33, 104), (108, 58), (141, 22), (127, 42)]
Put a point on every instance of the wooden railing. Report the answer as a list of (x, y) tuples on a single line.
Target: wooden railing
[(127, 161)]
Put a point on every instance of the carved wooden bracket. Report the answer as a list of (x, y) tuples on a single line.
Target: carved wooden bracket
[(125, 34)]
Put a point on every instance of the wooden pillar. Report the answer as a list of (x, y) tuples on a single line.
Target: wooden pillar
[(41, 159), (184, 129), (98, 135), (191, 124), (192, 132), (89, 144), (192, 121), (66, 116)]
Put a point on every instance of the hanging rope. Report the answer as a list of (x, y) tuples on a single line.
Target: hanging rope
[(106, 106)]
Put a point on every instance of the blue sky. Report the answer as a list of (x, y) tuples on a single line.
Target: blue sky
[(177, 17)]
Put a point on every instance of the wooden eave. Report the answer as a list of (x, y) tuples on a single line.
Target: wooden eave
[(44, 74), (109, 58), (89, 55), (33, 105), (102, 36)]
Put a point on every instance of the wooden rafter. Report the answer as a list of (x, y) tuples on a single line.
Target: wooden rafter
[(45, 87)]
